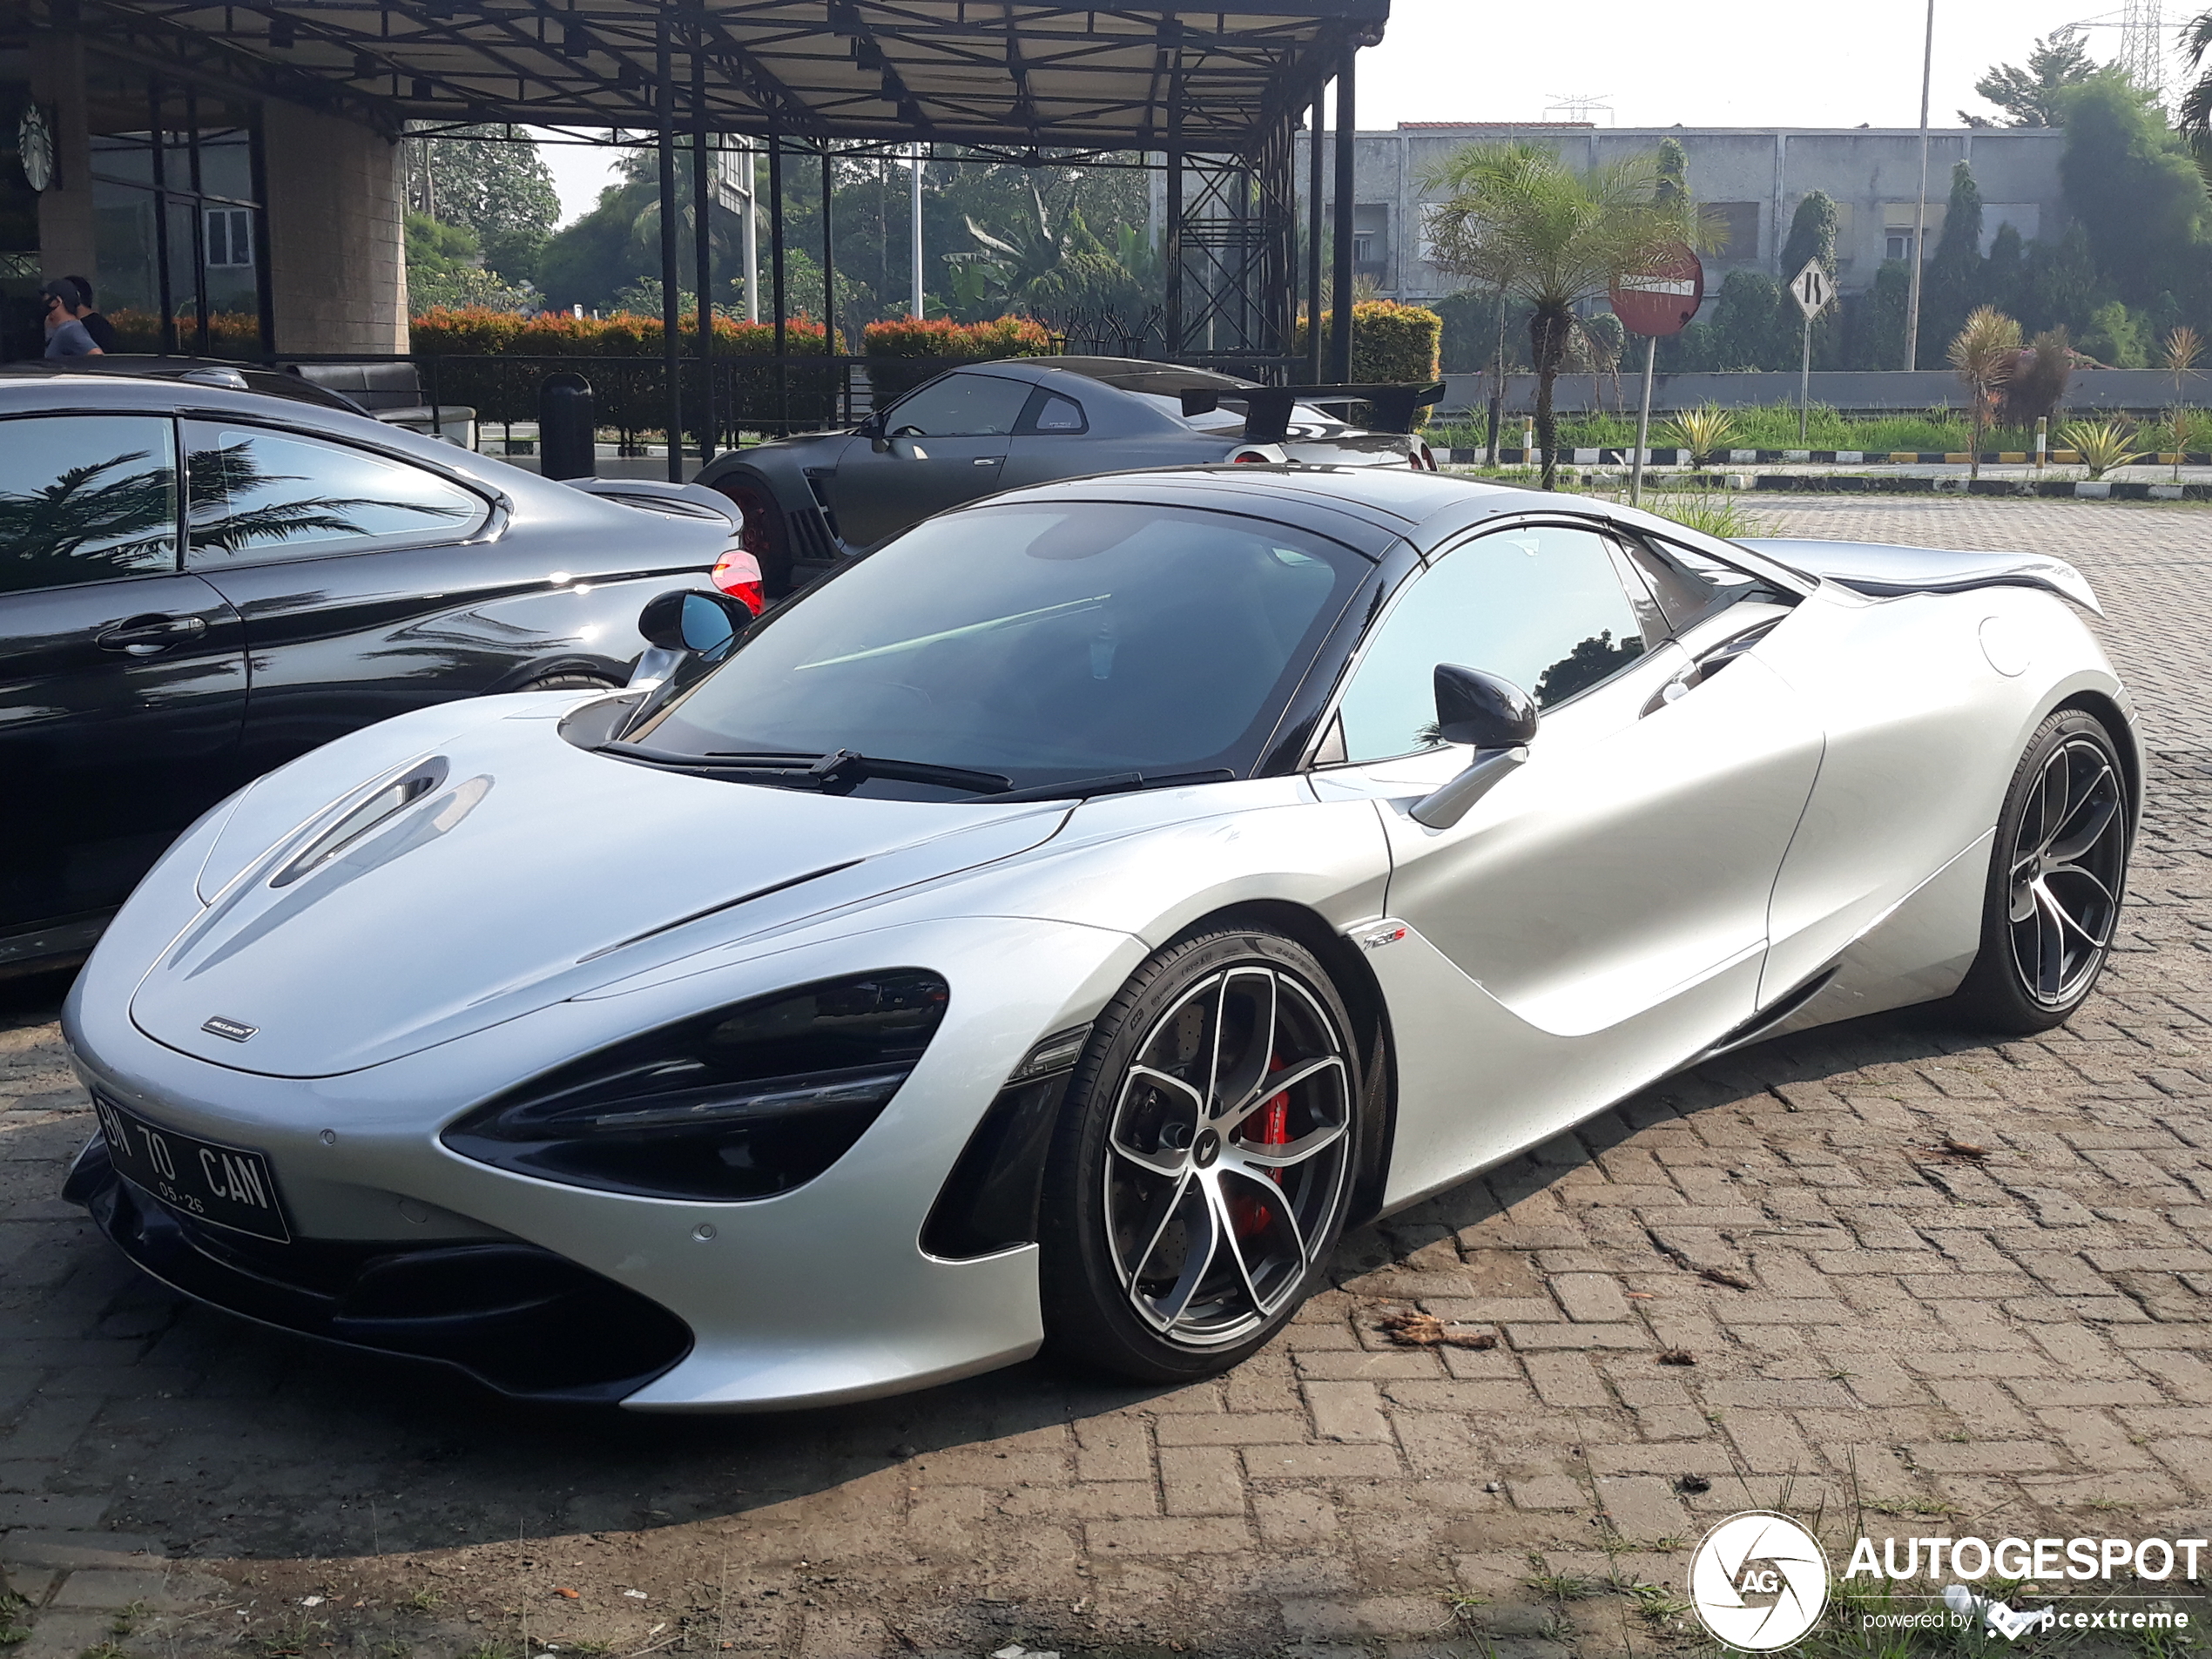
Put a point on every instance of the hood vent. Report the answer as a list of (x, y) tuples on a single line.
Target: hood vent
[(393, 798)]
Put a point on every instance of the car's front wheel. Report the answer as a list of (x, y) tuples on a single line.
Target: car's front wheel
[(1198, 1178), (2056, 879)]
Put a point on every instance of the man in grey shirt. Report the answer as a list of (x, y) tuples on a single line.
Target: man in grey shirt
[(65, 336)]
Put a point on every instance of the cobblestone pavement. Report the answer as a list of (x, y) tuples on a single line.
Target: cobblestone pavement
[(1984, 1345)]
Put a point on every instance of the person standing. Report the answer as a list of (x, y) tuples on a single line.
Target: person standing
[(65, 336), (99, 327)]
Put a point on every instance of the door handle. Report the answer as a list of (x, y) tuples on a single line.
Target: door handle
[(987, 461), (145, 636)]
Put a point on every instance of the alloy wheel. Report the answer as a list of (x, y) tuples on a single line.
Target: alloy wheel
[(1227, 1155), (2068, 861)]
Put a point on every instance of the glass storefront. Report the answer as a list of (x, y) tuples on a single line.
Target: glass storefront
[(177, 218), (22, 333)]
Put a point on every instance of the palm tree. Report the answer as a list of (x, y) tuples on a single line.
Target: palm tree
[(1985, 352), (1518, 218)]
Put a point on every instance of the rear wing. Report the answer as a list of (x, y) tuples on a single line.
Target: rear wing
[(1267, 409)]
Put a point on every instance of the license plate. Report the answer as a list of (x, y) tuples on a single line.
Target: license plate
[(227, 1186)]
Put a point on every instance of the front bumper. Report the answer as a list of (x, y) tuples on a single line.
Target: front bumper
[(519, 1319), (815, 1296)]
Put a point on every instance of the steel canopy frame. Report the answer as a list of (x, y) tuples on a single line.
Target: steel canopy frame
[(1217, 87)]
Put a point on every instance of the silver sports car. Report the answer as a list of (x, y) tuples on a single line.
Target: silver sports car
[(1057, 926)]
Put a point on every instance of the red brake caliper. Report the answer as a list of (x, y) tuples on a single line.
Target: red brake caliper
[(1268, 1126)]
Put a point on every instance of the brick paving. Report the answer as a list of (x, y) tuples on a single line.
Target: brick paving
[(2019, 1341)]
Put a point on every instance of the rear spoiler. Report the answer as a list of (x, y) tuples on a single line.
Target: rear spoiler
[(1267, 409)]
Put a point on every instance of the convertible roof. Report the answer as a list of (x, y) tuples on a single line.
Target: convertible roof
[(1021, 74)]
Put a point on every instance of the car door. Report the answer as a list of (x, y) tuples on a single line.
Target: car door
[(346, 567), (121, 679), (942, 444), (1600, 914)]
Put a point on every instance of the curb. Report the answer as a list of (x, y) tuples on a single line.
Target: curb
[(1624, 456), (2053, 489)]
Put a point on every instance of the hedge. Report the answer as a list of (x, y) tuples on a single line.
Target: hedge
[(1390, 342), (474, 347), (904, 352)]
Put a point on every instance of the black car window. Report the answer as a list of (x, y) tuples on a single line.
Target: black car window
[(1059, 414), (1542, 605), (1042, 643), (1689, 585), (86, 498), (256, 495), (960, 405)]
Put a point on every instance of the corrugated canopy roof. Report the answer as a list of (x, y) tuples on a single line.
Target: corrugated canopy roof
[(986, 72)]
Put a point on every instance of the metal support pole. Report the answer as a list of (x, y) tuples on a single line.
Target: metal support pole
[(838, 392), (1919, 205), (915, 194), (702, 252), (749, 235), (1804, 383), (776, 275), (1315, 214), (1347, 121), (671, 337), (1644, 423), (1172, 254)]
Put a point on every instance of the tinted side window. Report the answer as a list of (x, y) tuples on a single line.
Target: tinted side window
[(86, 498), (960, 405), (256, 495), (1689, 585), (1059, 414), (1544, 607)]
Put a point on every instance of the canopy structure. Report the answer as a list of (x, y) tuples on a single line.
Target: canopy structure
[(999, 73), (1211, 94)]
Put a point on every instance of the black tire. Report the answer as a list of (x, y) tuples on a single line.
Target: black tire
[(1169, 1150), (572, 680), (2057, 874)]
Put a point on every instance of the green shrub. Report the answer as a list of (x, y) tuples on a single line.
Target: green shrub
[(903, 352), (469, 357)]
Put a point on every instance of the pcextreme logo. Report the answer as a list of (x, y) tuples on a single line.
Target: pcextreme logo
[(1758, 1582)]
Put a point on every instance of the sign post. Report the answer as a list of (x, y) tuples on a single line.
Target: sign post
[(1813, 289), (1661, 302)]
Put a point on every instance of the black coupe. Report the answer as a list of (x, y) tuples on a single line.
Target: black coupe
[(198, 582)]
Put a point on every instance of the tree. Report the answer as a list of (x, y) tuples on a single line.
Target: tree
[(1813, 238), (2132, 185), (1985, 352), (2196, 102), (1518, 218), (2058, 282), (488, 180), (2031, 96), (1953, 285), (445, 267)]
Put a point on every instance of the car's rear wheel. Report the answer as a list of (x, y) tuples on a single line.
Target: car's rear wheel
[(2056, 879), (1198, 1179)]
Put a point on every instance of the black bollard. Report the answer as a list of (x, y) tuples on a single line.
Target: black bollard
[(565, 424)]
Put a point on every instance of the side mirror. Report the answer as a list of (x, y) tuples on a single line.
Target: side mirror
[(1494, 715), (1483, 709), (694, 621)]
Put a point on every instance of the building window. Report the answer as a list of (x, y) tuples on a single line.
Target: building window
[(230, 238), (1898, 245), (175, 212), (1740, 220)]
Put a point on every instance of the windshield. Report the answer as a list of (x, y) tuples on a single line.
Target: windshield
[(1043, 643)]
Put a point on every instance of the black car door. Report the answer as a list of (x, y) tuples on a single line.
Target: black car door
[(121, 679), (939, 446), (348, 569)]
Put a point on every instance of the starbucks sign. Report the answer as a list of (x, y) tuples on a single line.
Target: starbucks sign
[(35, 147)]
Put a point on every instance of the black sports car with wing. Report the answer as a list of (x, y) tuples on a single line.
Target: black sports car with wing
[(813, 500)]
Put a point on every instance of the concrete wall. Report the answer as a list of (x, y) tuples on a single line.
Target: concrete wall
[(65, 244), (337, 242), (2144, 391), (1758, 176)]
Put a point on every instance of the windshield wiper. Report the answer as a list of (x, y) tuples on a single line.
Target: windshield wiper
[(835, 772), (1118, 783)]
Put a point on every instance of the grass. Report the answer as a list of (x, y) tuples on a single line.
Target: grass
[(126, 1619), (10, 1632), (424, 1599), (1558, 1587), (103, 1650), (1768, 426)]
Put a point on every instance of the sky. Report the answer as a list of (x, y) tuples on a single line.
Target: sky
[(1717, 63)]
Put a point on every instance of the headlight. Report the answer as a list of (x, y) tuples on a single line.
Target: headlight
[(743, 1103)]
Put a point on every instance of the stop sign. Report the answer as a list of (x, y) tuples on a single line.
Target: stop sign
[(1663, 299)]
